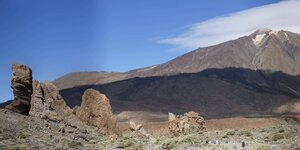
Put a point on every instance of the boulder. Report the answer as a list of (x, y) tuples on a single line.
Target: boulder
[(95, 110), (21, 84), (190, 122), (138, 131)]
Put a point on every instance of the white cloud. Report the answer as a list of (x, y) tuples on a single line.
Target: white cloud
[(284, 15)]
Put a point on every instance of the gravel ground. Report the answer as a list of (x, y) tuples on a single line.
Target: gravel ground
[(25, 132)]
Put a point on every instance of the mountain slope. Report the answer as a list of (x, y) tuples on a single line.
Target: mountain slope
[(87, 78), (213, 92), (263, 50), (252, 75)]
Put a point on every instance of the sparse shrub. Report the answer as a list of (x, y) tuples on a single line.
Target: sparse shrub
[(225, 136), (74, 144), (245, 133), (263, 147), (262, 130), (230, 133), (158, 141), (125, 143), (248, 133), (281, 131), (130, 143), (170, 144), (22, 136), (14, 148), (191, 140), (277, 137)]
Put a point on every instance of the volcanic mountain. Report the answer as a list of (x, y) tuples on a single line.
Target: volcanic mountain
[(252, 75)]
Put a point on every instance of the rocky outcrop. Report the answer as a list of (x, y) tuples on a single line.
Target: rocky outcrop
[(190, 122), (21, 84), (47, 103), (95, 110)]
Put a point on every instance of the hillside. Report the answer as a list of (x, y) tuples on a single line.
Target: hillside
[(262, 50), (252, 75)]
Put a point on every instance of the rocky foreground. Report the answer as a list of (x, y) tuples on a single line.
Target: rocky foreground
[(26, 132), (38, 118)]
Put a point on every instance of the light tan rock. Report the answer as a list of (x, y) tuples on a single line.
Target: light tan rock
[(138, 130), (172, 117), (47, 103), (95, 110), (190, 122)]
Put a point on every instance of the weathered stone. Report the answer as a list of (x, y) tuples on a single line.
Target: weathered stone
[(47, 103), (172, 117), (38, 104), (138, 130), (21, 84), (190, 122), (95, 110), (134, 127)]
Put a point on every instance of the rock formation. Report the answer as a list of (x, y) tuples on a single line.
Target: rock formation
[(21, 84), (190, 122), (95, 110), (138, 130), (47, 103)]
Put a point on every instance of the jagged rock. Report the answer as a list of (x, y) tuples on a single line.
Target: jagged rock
[(95, 110), (21, 84), (190, 122), (134, 127), (172, 117), (47, 103), (138, 130), (38, 104)]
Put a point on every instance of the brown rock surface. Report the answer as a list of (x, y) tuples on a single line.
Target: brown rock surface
[(190, 122), (95, 110), (47, 103), (21, 84)]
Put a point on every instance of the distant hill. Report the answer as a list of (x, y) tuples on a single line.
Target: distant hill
[(87, 78)]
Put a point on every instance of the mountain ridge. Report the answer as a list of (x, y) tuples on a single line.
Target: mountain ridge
[(263, 49)]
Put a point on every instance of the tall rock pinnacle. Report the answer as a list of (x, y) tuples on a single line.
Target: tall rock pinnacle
[(21, 84)]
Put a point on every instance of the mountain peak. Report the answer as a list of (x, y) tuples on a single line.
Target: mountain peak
[(261, 34), (262, 31)]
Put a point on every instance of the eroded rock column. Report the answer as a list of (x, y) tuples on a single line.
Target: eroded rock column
[(21, 84)]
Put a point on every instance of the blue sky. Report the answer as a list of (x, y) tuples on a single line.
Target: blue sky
[(55, 37)]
